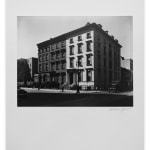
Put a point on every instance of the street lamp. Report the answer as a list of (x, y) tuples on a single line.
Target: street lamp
[(78, 77)]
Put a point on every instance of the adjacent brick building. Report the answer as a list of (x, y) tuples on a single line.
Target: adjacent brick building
[(27, 68), (127, 74), (33, 66)]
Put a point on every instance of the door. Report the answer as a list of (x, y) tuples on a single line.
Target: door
[(71, 78)]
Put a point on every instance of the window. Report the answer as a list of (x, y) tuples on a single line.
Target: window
[(79, 38), (47, 50), (63, 53), (88, 35), (89, 60), (63, 65), (43, 57), (43, 65), (71, 40), (53, 47), (57, 65), (79, 48), (57, 55), (57, 45), (40, 68), (40, 58), (71, 50), (88, 46), (44, 50), (63, 44), (80, 61), (47, 57), (52, 66), (89, 75), (71, 62), (53, 56), (46, 66)]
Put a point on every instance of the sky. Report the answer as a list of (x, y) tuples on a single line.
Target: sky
[(33, 30)]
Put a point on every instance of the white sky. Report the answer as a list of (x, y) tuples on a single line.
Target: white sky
[(33, 30)]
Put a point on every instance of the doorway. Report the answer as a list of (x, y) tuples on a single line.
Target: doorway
[(71, 78)]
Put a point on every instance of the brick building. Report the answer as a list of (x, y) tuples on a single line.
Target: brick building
[(127, 74), (33, 66), (27, 67), (88, 55)]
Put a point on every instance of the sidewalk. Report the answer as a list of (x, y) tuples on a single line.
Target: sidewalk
[(35, 90)]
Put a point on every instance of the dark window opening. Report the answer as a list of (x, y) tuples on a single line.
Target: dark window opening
[(89, 60)]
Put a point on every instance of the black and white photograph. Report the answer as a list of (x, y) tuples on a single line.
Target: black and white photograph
[(75, 75), (78, 61)]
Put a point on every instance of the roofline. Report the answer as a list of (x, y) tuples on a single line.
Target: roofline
[(127, 58), (32, 57), (69, 34)]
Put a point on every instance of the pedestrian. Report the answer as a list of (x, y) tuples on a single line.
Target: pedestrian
[(38, 86), (62, 88)]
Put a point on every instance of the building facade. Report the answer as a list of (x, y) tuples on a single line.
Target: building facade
[(52, 61), (33, 66), (87, 56), (27, 68), (127, 73), (23, 71)]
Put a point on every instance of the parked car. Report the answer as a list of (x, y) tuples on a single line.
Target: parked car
[(114, 87), (22, 93)]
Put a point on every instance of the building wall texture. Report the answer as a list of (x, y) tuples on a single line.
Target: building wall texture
[(127, 74), (80, 53), (33, 66)]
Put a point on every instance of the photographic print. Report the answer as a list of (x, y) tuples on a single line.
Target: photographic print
[(75, 75), (75, 61)]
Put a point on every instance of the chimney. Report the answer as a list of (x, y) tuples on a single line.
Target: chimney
[(122, 58), (100, 25), (116, 40), (87, 24), (112, 37)]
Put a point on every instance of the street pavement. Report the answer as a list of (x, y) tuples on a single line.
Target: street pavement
[(55, 97), (35, 90)]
